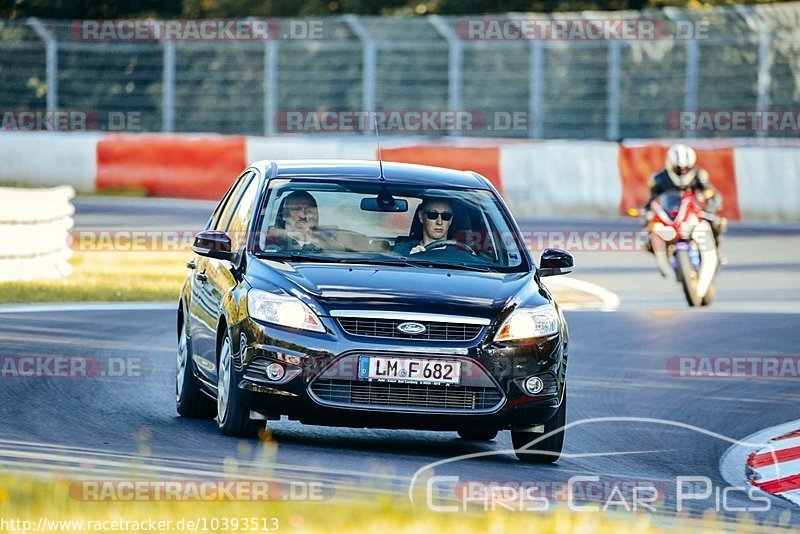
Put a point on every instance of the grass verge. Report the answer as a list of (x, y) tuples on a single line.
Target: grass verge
[(107, 276), (37, 499)]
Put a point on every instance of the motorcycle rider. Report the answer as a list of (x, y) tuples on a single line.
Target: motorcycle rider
[(679, 174)]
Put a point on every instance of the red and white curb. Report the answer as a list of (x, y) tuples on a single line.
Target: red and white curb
[(775, 467), (768, 460)]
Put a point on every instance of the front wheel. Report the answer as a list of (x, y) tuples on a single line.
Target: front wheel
[(708, 298), (547, 450), (233, 418), (688, 277)]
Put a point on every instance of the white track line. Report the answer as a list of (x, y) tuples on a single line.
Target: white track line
[(88, 306), (609, 301)]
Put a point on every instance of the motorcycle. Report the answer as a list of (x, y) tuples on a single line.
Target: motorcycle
[(683, 243)]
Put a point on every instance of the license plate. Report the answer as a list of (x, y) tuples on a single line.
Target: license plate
[(409, 370)]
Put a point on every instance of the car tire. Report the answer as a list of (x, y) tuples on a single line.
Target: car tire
[(477, 434), (233, 418), (548, 449), (190, 401)]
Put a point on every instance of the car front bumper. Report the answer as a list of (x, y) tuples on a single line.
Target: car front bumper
[(321, 384)]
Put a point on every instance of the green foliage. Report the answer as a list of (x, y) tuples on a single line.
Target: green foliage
[(87, 9)]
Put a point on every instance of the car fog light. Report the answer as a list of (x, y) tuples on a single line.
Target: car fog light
[(275, 371), (534, 385)]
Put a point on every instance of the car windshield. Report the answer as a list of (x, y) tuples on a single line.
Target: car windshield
[(352, 222)]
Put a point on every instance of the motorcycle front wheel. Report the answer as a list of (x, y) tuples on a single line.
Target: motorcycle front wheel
[(688, 277), (709, 296)]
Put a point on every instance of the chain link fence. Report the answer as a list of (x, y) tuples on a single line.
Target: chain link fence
[(730, 59)]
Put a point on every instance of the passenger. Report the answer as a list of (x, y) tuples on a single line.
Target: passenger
[(296, 225)]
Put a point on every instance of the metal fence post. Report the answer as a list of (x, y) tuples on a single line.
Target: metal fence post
[(764, 76), (369, 60), (51, 61), (536, 89), (455, 64), (612, 88), (168, 93), (535, 84), (270, 86), (690, 96)]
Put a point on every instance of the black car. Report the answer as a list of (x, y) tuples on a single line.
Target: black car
[(361, 294)]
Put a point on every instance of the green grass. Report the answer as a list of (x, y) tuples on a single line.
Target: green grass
[(107, 276), (117, 192), (31, 498)]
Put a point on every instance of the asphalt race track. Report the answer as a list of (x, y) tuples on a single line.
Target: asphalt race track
[(618, 369)]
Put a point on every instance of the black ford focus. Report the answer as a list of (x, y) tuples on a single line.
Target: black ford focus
[(351, 293)]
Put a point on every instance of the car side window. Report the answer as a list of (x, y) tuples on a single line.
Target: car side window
[(232, 201), (240, 220)]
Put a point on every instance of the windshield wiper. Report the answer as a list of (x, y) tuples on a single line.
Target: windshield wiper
[(297, 256), (405, 262), (444, 265)]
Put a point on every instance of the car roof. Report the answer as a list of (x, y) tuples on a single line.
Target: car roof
[(366, 170)]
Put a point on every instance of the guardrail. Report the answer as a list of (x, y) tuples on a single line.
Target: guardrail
[(34, 230), (758, 178)]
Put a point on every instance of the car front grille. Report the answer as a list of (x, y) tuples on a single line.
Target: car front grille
[(398, 395), (387, 328)]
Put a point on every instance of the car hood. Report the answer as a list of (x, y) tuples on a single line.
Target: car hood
[(406, 289)]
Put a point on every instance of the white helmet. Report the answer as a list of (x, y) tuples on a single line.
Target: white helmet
[(680, 165)]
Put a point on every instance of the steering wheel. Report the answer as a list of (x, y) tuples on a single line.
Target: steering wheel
[(450, 243)]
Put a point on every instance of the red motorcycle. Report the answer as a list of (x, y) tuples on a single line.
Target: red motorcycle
[(683, 242)]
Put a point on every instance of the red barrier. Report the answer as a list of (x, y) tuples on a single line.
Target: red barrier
[(181, 166), (638, 163), (483, 160)]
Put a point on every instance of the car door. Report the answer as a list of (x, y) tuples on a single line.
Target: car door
[(204, 304), (219, 274)]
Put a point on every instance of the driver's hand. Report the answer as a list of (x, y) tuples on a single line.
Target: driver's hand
[(418, 248)]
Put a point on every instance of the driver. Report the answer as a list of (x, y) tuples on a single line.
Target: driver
[(436, 216)]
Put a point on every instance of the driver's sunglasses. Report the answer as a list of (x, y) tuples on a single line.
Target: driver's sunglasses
[(433, 215)]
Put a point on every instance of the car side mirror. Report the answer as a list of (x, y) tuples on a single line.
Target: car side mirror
[(555, 261), (213, 244)]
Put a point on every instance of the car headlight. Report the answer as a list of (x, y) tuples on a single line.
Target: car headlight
[(283, 310), (526, 323)]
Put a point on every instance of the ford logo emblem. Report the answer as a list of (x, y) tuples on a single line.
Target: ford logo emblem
[(411, 328)]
